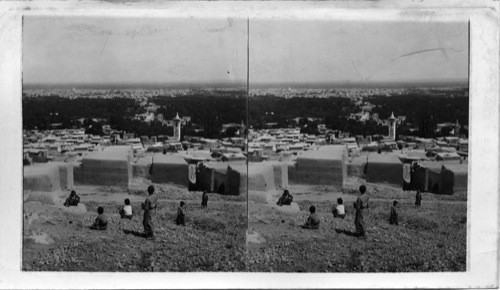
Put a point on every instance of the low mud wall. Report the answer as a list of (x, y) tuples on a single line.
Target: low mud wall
[(111, 167), (170, 168), (453, 178), (261, 177), (42, 177), (236, 180), (326, 166), (357, 167), (384, 168), (142, 167), (66, 176), (280, 174)]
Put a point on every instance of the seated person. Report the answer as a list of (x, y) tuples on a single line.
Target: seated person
[(126, 211), (313, 220), (101, 222), (285, 199), (339, 210), (393, 218), (180, 215), (72, 200)]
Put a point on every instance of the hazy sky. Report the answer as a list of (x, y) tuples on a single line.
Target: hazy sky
[(133, 50), (64, 50), (329, 51)]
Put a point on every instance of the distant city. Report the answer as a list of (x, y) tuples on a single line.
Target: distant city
[(280, 119)]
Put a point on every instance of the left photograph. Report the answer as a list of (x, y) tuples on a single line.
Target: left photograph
[(134, 144)]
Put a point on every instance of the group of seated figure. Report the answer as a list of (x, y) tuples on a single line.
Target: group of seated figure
[(126, 212)]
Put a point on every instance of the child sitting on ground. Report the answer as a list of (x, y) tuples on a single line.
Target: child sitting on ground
[(339, 210), (313, 220), (285, 199), (126, 211), (72, 200), (180, 215), (393, 219), (101, 222)]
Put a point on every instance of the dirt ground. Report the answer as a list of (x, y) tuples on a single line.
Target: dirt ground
[(428, 239), (214, 239)]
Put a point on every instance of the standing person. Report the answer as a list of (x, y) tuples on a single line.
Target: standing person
[(360, 205), (339, 210), (418, 198), (204, 199), (72, 200), (180, 215), (393, 219), (149, 206)]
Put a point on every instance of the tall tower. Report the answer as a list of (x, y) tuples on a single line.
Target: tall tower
[(457, 129), (177, 127), (392, 127), (242, 129)]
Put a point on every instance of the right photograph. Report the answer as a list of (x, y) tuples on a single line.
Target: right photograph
[(357, 146)]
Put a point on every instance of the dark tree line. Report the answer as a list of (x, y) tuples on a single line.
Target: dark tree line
[(424, 111), (334, 112), (269, 108), (209, 110), (40, 112)]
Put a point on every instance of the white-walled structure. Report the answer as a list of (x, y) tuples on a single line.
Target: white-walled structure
[(392, 127), (177, 128)]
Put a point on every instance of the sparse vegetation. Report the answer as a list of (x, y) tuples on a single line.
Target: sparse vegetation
[(212, 240), (427, 239)]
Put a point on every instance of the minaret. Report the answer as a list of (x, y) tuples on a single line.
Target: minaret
[(392, 127), (457, 129), (177, 127), (242, 129)]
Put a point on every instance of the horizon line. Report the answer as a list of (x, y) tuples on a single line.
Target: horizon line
[(242, 84)]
